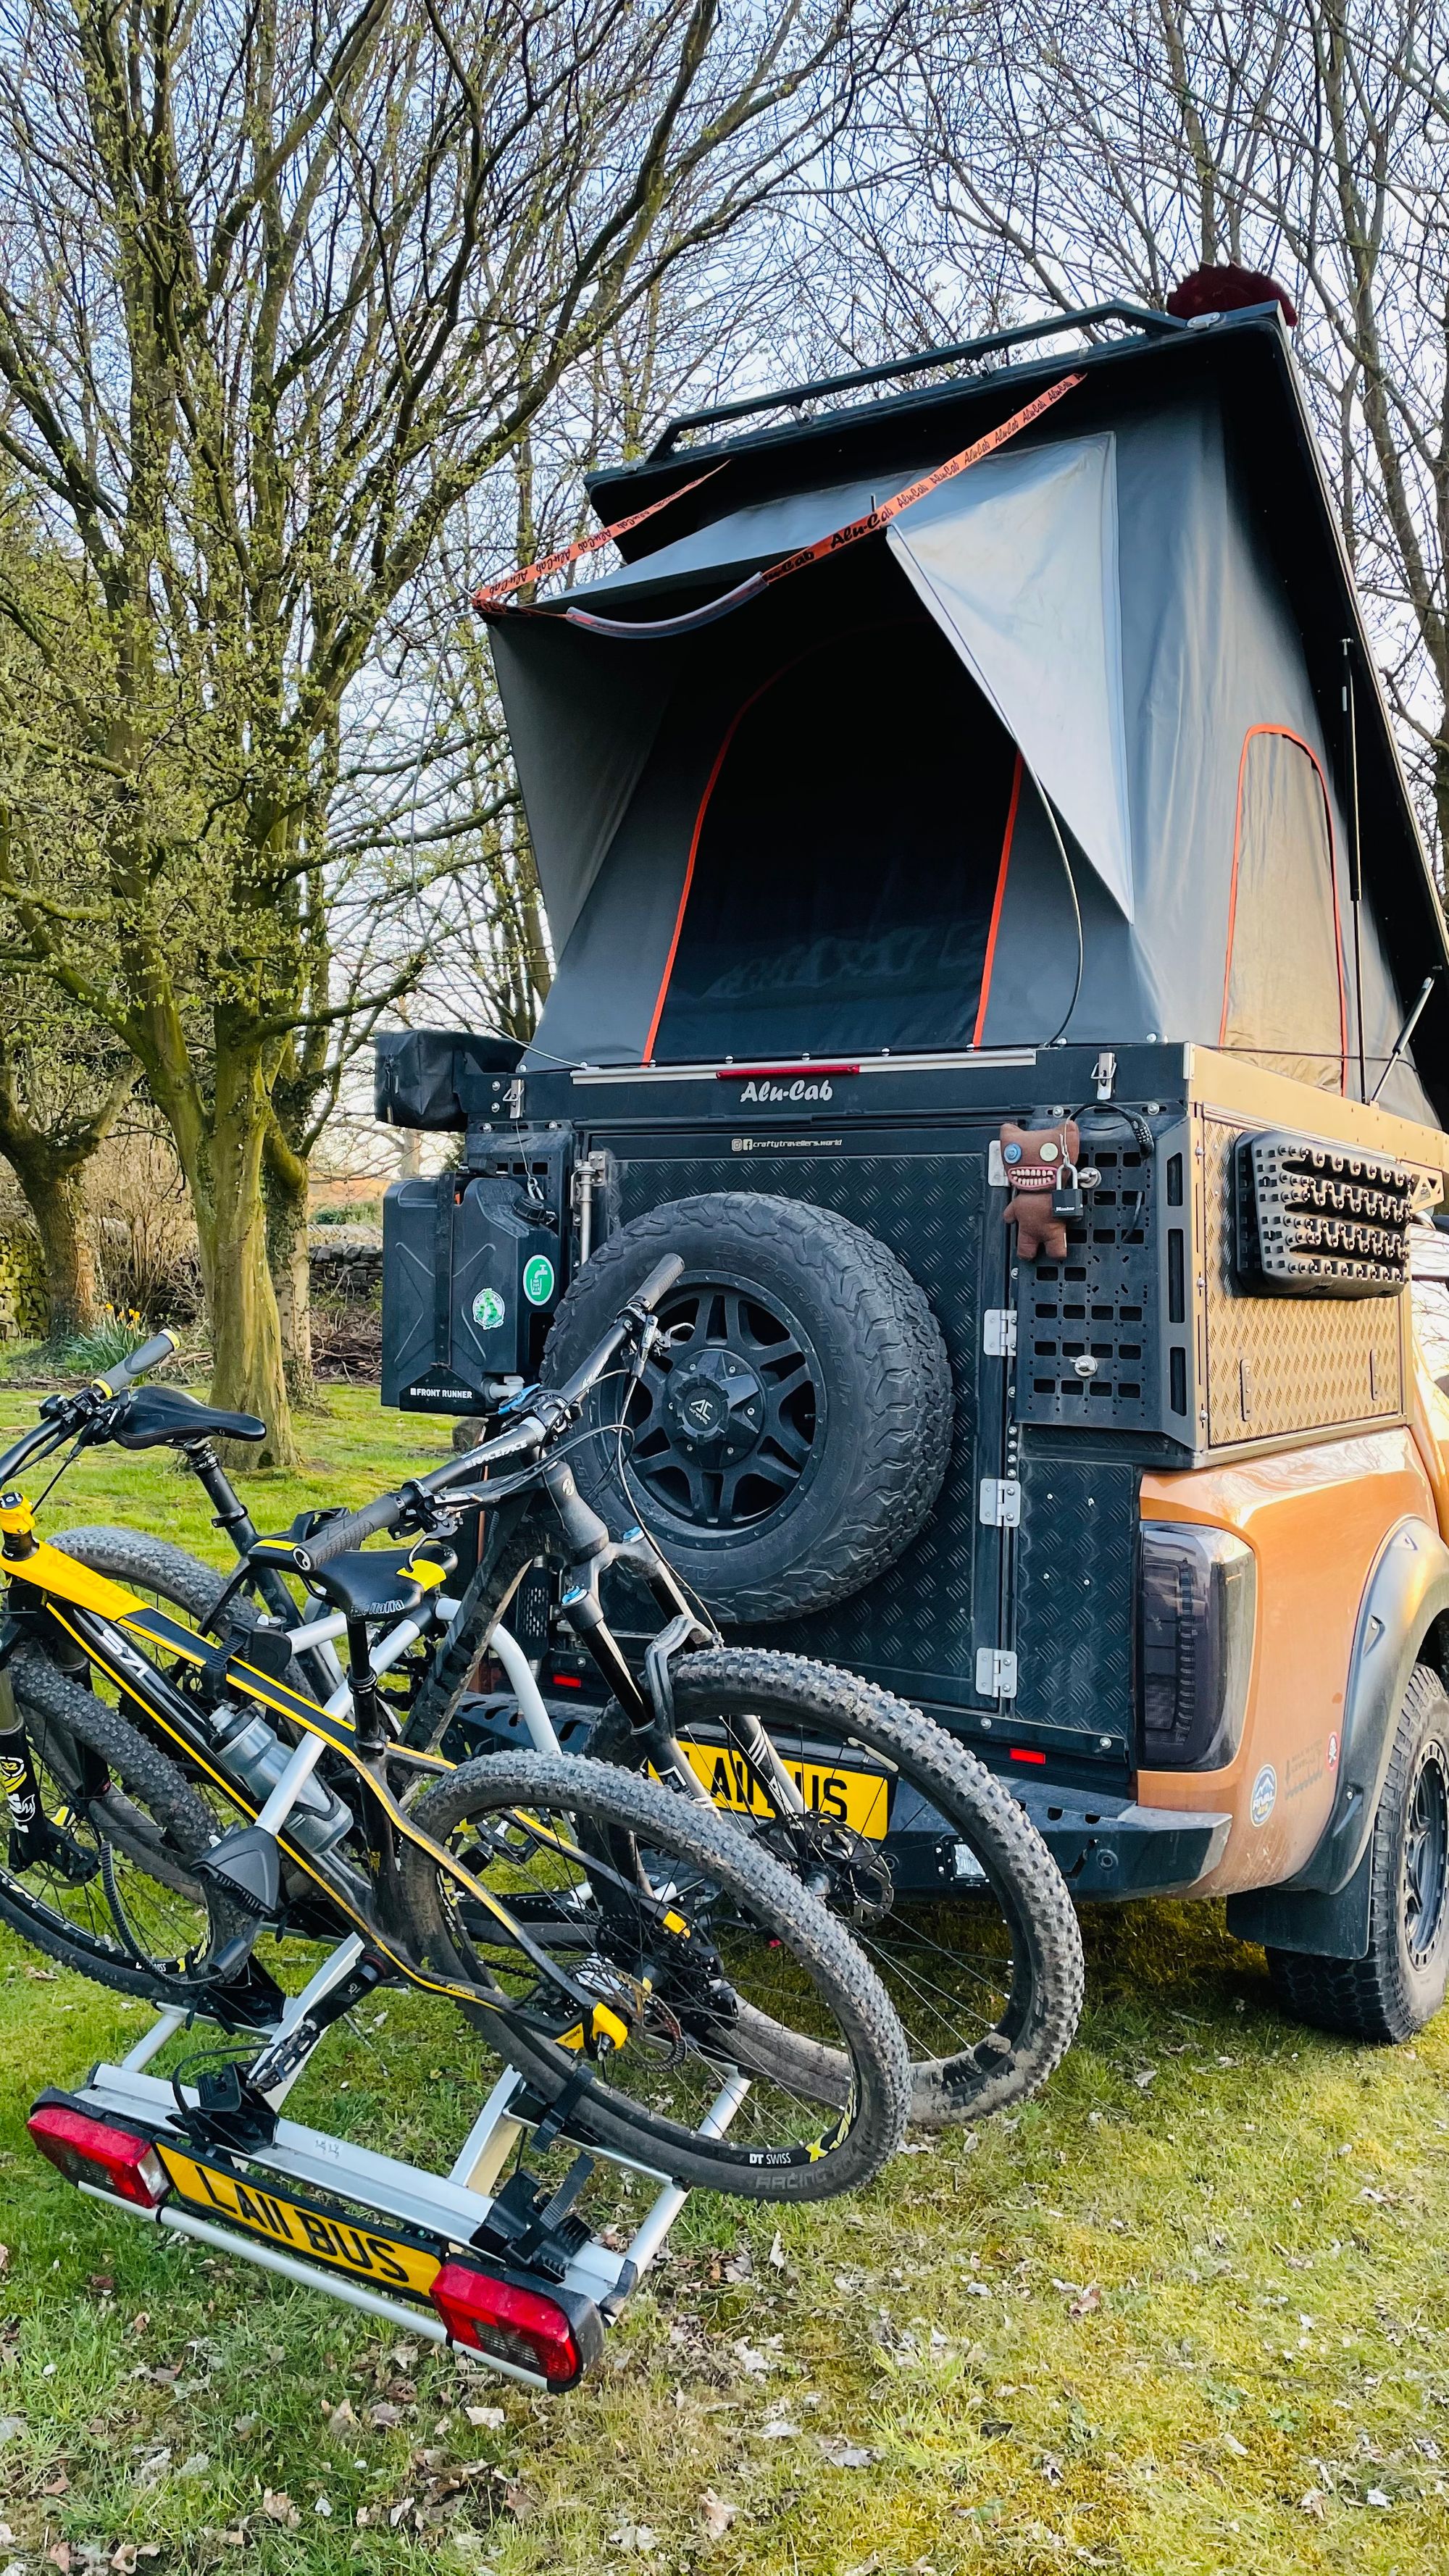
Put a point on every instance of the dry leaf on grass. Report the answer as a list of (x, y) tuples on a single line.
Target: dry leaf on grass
[(486, 2419), (277, 2505), (842, 2453), (1087, 2303), (715, 2516)]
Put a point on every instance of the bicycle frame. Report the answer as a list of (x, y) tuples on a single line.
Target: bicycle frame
[(107, 1623)]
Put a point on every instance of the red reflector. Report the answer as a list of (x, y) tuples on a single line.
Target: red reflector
[(567, 1681), (521, 2326), (763, 1072), (1020, 1754), (89, 2150)]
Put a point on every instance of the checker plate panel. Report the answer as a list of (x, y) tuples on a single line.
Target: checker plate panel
[(1277, 1365)]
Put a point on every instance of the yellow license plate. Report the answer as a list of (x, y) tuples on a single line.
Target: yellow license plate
[(860, 1799), (311, 2233)]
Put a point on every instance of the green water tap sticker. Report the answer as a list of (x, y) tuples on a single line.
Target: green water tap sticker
[(538, 1279)]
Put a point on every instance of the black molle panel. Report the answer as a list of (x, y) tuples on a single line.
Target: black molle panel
[(1098, 1305)]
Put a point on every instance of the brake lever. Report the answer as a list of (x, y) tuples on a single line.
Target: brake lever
[(649, 1335)]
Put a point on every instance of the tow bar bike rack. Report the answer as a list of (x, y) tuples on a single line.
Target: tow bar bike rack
[(504, 2270)]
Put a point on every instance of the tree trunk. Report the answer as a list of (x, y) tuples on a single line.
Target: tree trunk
[(287, 1195), (50, 1184), (59, 1210), (247, 1371), (48, 1164)]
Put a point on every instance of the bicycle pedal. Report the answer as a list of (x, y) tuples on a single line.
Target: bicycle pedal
[(246, 1866)]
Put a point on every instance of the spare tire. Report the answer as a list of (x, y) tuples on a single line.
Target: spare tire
[(793, 1425)]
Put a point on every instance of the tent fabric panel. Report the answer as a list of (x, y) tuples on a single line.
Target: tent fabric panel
[(581, 720), (743, 539), (839, 901), (1034, 961), (1283, 980), (1018, 563)]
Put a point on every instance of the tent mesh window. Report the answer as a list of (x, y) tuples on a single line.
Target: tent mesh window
[(845, 860), (1283, 989)]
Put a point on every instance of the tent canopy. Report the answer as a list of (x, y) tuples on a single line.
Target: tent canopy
[(1088, 675)]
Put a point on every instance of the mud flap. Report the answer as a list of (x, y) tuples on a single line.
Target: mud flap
[(1288, 1918)]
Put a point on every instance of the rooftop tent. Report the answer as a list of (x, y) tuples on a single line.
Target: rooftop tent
[(816, 825)]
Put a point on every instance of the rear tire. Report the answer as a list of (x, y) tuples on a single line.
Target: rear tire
[(779, 1938), (142, 1826), (1401, 1983), (988, 1986)]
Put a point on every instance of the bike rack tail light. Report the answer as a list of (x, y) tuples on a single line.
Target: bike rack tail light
[(558, 2334), (97, 2154)]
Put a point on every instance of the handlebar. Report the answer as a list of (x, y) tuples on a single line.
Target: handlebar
[(135, 1364), (63, 1414), (529, 1434)]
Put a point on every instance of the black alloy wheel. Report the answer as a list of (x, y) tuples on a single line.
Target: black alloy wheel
[(723, 1429)]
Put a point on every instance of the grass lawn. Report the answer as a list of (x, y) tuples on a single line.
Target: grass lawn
[(1185, 2314)]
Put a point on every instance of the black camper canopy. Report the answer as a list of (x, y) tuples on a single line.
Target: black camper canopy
[(1100, 673)]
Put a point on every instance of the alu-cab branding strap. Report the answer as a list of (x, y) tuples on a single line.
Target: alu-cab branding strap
[(490, 597)]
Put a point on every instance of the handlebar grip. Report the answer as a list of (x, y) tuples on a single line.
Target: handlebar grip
[(659, 1282), (148, 1355), (350, 1529)]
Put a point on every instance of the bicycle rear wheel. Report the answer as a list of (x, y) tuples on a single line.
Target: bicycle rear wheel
[(963, 1912), (717, 1964), (101, 1881)]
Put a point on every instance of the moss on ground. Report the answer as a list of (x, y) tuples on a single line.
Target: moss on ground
[(1185, 2314)]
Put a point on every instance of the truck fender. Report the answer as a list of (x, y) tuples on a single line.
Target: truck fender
[(1323, 1908)]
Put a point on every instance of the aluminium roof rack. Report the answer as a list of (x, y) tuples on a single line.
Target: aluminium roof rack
[(1139, 317)]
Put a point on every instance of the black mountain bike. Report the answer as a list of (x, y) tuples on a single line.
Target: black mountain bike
[(901, 1831)]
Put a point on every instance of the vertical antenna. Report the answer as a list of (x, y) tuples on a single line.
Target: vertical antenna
[(1355, 855)]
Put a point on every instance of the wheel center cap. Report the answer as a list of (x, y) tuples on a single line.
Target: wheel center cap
[(716, 1407)]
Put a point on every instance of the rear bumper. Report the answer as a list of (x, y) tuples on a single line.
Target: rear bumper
[(1104, 1846), (1112, 1847)]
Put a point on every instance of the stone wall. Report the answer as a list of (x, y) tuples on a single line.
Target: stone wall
[(24, 1314)]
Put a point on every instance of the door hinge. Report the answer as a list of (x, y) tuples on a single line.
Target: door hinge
[(995, 1673), (1001, 1502), (998, 1332)]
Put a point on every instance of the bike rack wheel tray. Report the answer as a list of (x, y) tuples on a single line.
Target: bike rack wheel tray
[(505, 2271)]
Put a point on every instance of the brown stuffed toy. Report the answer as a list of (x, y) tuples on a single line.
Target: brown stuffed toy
[(1034, 1158)]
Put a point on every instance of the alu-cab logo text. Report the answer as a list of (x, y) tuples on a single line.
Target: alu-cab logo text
[(821, 1089)]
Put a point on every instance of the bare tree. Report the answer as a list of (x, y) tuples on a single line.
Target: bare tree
[(279, 290), (1042, 156)]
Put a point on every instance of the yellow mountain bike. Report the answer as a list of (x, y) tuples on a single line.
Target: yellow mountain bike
[(620, 1946)]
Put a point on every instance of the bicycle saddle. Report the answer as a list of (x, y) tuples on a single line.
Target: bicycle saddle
[(152, 1414), (363, 1583)]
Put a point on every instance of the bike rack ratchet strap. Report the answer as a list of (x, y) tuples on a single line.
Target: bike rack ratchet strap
[(506, 2271)]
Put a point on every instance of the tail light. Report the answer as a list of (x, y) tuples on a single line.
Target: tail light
[(1198, 1609), (88, 2150), (555, 2335)]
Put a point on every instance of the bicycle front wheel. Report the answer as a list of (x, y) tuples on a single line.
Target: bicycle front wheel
[(721, 1974)]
